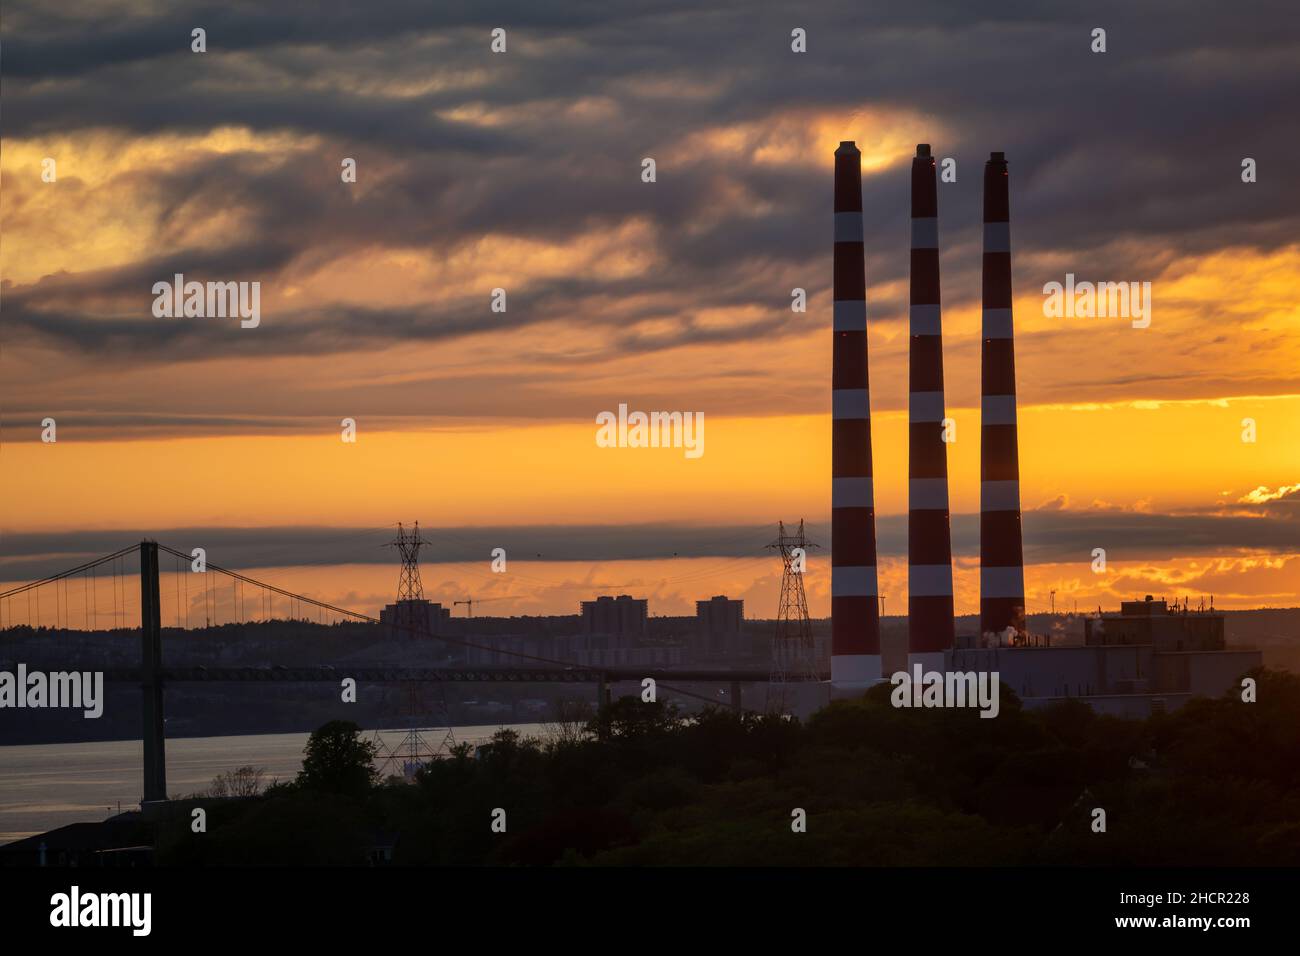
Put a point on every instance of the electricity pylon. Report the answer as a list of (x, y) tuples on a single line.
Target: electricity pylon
[(412, 617), (414, 750), (793, 651), (409, 587)]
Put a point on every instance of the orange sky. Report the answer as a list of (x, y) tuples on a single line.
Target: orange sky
[(1110, 417)]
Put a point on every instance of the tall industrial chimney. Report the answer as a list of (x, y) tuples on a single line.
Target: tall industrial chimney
[(855, 611), (1002, 563), (929, 537)]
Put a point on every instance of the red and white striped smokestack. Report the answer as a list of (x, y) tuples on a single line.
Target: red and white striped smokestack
[(929, 537), (855, 611), (1002, 563)]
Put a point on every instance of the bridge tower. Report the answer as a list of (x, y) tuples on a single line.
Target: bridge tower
[(793, 652), (151, 685)]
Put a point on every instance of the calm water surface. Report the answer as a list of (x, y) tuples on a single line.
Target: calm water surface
[(50, 785)]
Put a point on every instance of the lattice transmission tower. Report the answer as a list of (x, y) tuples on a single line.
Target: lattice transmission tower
[(412, 621), (409, 587), (793, 651)]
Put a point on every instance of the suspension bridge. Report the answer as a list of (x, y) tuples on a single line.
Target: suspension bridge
[(98, 595)]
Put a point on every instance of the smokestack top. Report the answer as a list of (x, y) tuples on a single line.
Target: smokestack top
[(922, 149), (847, 146), (997, 204)]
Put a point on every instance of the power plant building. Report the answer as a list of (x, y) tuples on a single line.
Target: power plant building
[(1147, 658), (1154, 622)]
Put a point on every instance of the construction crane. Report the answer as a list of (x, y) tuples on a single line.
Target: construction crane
[(470, 602)]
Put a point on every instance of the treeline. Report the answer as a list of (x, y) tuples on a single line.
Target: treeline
[(1216, 783)]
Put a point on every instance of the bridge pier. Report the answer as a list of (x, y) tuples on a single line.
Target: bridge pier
[(602, 699), (604, 692), (151, 685)]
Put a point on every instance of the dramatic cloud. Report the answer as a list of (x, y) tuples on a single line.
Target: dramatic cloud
[(1263, 495), (1052, 536), (522, 171)]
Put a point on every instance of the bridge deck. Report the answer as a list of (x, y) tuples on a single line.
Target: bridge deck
[(378, 674)]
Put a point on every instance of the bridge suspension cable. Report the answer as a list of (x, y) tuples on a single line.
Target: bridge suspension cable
[(296, 598), (71, 571), (117, 564), (366, 618)]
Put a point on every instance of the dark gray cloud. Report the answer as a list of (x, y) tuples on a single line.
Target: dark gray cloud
[(1050, 537), (1122, 163)]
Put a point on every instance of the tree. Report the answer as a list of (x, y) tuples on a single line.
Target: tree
[(629, 717), (241, 782), (337, 760), (572, 718)]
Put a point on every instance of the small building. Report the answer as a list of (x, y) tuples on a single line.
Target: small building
[(383, 844), (125, 840)]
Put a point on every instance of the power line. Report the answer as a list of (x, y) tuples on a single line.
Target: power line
[(357, 615), (120, 605)]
